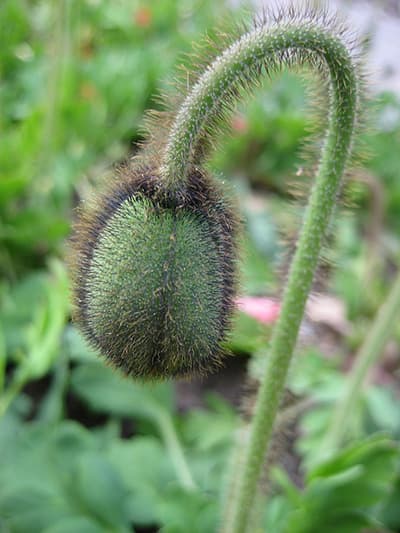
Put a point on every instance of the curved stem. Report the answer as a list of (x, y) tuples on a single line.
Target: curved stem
[(241, 65)]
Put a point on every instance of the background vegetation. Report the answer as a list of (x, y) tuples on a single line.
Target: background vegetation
[(82, 449)]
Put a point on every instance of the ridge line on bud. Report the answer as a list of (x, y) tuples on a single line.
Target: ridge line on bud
[(154, 274)]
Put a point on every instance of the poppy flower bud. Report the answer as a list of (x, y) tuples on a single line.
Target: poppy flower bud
[(154, 274)]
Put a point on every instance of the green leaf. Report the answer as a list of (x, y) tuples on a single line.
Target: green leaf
[(106, 390), (45, 331), (56, 475), (383, 408), (16, 314), (32, 507), (390, 510), (73, 524), (100, 490), (10, 187), (377, 451), (205, 430), (147, 472), (180, 508), (342, 494)]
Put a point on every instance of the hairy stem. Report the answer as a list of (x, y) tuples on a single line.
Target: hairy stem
[(241, 65), (367, 356)]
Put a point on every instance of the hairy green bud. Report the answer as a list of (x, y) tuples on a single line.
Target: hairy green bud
[(154, 275)]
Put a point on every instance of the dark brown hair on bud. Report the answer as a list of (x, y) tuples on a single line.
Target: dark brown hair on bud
[(153, 273)]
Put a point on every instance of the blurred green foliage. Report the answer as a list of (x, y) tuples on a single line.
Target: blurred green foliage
[(75, 79)]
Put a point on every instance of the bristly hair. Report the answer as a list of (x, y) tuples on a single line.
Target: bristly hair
[(157, 125), (304, 62), (140, 351)]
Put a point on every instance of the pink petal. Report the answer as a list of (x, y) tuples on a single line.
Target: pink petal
[(265, 310)]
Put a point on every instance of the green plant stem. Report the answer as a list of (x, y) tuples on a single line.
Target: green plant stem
[(175, 450), (239, 65), (285, 417), (11, 392), (368, 355), (317, 218)]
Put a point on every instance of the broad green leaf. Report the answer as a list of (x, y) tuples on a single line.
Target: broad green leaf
[(10, 187), (55, 474), (106, 390), (44, 333), (179, 509), (147, 472), (389, 512), (100, 490), (32, 507), (75, 524), (378, 451), (344, 491), (383, 408), (207, 429)]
